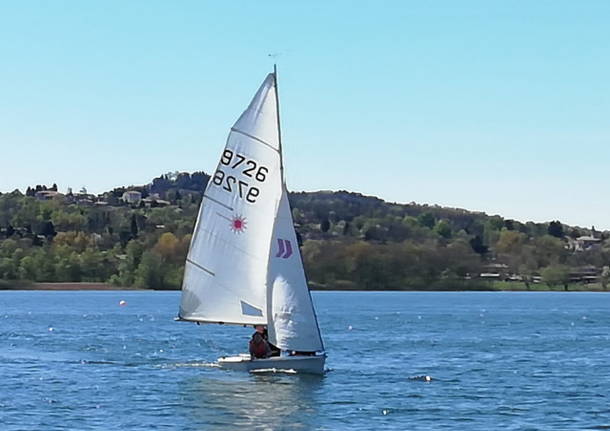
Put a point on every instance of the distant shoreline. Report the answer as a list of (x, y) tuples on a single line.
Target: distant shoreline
[(495, 287), (69, 286)]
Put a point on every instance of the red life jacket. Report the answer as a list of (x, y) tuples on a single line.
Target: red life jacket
[(258, 348)]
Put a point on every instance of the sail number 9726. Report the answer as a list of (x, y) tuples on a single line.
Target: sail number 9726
[(246, 167)]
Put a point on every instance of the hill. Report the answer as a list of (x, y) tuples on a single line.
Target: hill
[(139, 236)]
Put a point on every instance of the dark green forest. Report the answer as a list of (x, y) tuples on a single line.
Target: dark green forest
[(139, 236)]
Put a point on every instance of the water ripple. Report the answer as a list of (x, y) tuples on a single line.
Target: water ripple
[(495, 360)]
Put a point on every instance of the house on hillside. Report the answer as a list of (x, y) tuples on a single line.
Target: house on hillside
[(47, 195), (586, 242), (152, 202), (132, 197)]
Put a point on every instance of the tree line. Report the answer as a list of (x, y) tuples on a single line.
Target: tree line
[(347, 240)]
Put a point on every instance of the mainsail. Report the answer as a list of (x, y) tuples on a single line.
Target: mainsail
[(244, 265), (225, 278)]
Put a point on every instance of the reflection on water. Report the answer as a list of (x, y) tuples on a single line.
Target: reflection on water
[(229, 399)]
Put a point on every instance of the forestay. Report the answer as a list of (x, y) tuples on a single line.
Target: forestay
[(226, 271), (293, 324)]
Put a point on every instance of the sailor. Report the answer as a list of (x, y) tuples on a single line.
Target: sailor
[(259, 346)]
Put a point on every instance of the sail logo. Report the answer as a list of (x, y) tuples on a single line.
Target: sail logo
[(238, 224), (285, 248)]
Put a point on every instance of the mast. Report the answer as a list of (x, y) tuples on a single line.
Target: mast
[(279, 129)]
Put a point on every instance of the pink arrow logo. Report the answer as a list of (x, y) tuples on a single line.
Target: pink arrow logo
[(285, 248)]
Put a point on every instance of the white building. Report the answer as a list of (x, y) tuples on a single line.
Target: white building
[(586, 242), (131, 197)]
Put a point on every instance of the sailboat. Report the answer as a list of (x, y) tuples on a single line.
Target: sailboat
[(244, 266)]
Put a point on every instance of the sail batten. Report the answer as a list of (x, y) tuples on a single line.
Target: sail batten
[(200, 267), (217, 202), (233, 129)]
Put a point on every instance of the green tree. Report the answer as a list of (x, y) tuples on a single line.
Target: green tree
[(129, 263), (555, 229), (605, 277), (96, 265), (556, 275), (68, 221), (426, 219), (549, 250), (8, 269), (149, 274), (443, 229), (134, 226), (27, 268), (68, 268), (477, 245)]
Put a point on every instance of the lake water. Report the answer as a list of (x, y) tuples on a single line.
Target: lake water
[(498, 360)]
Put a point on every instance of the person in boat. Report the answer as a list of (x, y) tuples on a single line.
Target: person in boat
[(260, 347)]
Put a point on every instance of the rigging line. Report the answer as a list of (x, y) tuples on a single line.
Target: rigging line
[(233, 129)]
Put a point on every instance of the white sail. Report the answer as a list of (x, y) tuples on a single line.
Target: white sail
[(226, 271), (292, 323)]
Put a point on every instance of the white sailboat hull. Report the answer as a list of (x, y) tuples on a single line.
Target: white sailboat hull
[(298, 364)]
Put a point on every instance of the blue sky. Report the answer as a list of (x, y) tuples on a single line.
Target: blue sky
[(492, 106)]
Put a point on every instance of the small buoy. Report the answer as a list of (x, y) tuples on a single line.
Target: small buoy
[(51, 329), (423, 378), (349, 328), (122, 302), (385, 412)]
